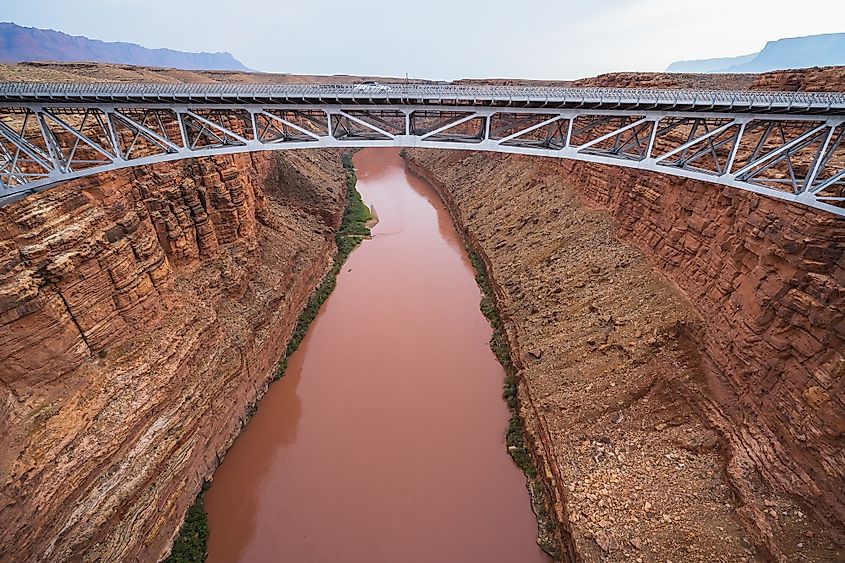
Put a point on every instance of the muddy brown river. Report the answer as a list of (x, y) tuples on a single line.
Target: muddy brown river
[(385, 439)]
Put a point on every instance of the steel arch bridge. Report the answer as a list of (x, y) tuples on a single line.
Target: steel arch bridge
[(789, 146)]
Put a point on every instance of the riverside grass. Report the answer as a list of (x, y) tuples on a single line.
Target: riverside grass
[(191, 544)]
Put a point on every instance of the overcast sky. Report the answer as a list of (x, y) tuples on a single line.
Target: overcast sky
[(442, 39)]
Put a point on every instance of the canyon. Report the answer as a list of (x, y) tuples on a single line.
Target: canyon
[(383, 440), (678, 346)]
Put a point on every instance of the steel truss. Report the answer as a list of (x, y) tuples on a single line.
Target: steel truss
[(794, 155)]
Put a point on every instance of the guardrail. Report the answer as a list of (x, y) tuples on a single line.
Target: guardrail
[(815, 102)]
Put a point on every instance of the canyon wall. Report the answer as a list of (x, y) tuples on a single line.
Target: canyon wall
[(680, 348), (768, 280), (141, 314)]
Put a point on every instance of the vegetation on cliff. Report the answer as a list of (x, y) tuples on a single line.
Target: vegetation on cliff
[(515, 442), (352, 231), (191, 543)]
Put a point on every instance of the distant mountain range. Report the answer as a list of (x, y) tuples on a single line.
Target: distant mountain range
[(795, 52), (18, 44)]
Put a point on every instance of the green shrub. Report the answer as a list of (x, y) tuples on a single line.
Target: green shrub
[(514, 436), (190, 544), (515, 433)]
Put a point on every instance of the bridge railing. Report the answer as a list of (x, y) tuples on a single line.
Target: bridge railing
[(101, 91)]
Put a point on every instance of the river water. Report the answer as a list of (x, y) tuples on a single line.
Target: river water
[(384, 441)]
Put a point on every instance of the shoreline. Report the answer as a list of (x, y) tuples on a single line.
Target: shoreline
[(190, 542), (553, 534)]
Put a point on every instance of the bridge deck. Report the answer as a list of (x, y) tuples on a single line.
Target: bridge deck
[(816, 103)]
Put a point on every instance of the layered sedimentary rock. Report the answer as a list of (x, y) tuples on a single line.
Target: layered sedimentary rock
[(821, 79), (641, 390), (768, 280), (141, 314)]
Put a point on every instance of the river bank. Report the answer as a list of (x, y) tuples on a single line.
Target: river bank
[(621, 369), (522, 439), (575, 305)]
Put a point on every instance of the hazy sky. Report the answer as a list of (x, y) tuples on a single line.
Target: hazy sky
[(442, 39)]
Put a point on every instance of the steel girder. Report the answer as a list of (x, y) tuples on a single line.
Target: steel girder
[(796, 157)]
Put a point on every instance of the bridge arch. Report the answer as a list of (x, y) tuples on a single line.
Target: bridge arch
[(789, 146)]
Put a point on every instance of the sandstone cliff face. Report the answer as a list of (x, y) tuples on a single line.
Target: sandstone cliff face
[(769, 282), (820, 79), (141, 313), (625, 372)]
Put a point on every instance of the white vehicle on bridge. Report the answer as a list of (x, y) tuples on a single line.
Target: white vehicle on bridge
[(372, 87)]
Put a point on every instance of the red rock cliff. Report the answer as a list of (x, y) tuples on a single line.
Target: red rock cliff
[(768, 279), (141, 313)]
